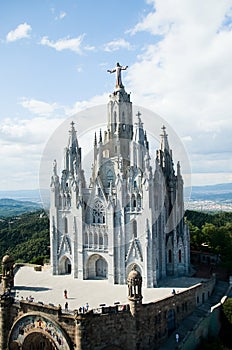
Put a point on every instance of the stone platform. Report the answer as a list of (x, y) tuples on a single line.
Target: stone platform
[(42, 286)]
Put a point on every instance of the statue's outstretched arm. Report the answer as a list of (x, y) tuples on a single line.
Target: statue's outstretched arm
[(111, 70)]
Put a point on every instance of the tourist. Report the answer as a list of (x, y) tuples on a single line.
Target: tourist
[(65, 294), (86, 307), (177, 337), (66, 306)]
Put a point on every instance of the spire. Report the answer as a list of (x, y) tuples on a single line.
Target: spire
[(178, 169), (95, 139), (54, 167), (72, 141), (100, 137), (164, 140), (139, 132), (72, 156), (165, 154), (145, 140)]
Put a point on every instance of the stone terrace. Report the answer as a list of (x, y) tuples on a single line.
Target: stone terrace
[(46, 288)]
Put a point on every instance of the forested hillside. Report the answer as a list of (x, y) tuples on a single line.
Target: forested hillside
[(212, 233), (199, 218), (25, 237)]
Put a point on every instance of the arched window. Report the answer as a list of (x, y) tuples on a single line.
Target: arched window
[(95, 239), (123, 117), (134, 228), (90, 239), (98, 212), (86, 238), (139, 203), (127, 202), (115, 121), (65, 225), (169, 256), (105, 240), (133, 202), (100, 239), (110, 177), (179, 255)]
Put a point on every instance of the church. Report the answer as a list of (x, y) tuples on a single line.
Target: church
[(129, 214)]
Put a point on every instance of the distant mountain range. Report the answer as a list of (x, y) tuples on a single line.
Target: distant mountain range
[(211, 197), (11, 207)]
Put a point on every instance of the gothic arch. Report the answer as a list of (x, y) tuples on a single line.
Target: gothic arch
[(38, 340), (34, 331), (171, 320), (65, 265), (97, 267)]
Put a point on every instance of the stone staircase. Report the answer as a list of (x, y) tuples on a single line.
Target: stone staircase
[(190, 322)]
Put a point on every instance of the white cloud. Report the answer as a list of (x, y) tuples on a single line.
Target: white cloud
[(89, 48), (73, 44), (185, 75), (22, 31), (62, 15), (21, 145), (82, 105), (116, 45), (39, 107), (16, 134)]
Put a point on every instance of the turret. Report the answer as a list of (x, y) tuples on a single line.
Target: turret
[(7, 273), (134, 283)]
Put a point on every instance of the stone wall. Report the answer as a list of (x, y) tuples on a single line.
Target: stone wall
[(109, 327)]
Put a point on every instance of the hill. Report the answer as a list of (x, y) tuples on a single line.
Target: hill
[(11, 207)]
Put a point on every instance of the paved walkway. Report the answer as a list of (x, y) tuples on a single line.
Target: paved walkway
[(46, 288)]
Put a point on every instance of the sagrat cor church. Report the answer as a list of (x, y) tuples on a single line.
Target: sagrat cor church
[(129, 214)]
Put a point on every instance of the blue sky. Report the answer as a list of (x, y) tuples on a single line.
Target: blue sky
[(54, 56)]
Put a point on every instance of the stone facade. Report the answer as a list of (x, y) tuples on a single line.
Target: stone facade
[(129, 214)]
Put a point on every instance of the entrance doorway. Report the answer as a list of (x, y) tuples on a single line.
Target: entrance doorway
[(171, 321), (101, 268), (65, 266), (38, 341), (97, 267)]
